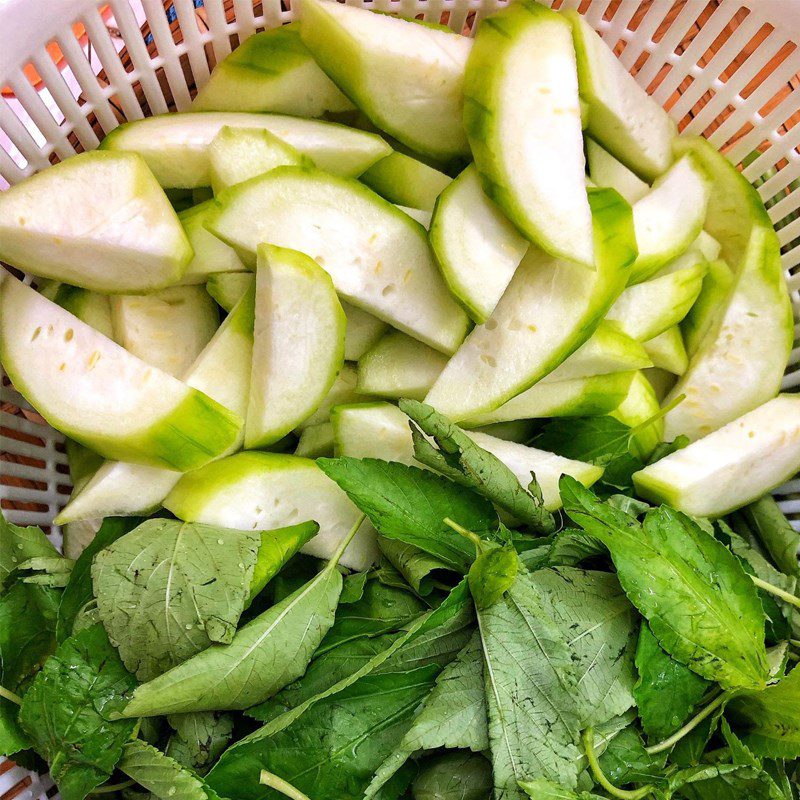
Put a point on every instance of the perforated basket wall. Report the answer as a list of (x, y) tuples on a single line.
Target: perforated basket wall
[(726, 69)]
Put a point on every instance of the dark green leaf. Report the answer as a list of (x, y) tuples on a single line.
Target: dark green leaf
[(666, 692), (20, 544), (463, 461), (626, 761), (454, 776), (571, 546), (199, 739), (728, 782), (492, 575), (701, 605), (772, 528), (541, 789), (353, 588), (69, 710), (420, 570), (78, 591), (411, 504)]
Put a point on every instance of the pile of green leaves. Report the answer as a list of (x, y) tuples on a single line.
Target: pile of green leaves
[(497, 650)]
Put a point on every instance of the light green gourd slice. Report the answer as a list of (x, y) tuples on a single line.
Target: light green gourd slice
[(378, 257), (228, 288), (732, 466), (95, 392), (97, 220), (222, 371), (406, 181), (363, 331), (710, 303), (344, 390), (550, 308), (175, 146), (316, 441), (211, 256), (407, 78), (640, 405), (167, 329), (298, 344), (264, 491), (523, 120), (667, 351), (477, 248), (92, 308), (271, 71), (237, 154), (605, 170), (622, 117)]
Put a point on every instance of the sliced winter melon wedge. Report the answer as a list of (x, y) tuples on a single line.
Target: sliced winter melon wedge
[(667, 351), (176, 146), (523, 120), (316, 441), (407, 78), (477, 248), (298, 347), (211, 256), (550, 308), (406, 181), (363, 331), (378, 257), (95, 392), (97, 220), (238, 154), (167, 329), (222, 371), (605, 170), (622, 116), (344, 390), (265, 491), (92, 308), (228, 288), (271, 71), (640, 406), (381, 430), (710, 303), (732, 466)]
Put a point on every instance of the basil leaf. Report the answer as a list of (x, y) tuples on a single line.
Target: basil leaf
[(542, 789), (454, 776), (18, 545), (492, 575), (463, 461), (600, 627), (666, 692), (199, 739), (420, 570), (700, 604), (68, 712), (168, 589), (626, 761), (79, 591), (274, 551), (411, 504)]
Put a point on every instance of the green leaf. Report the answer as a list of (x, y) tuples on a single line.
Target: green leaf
[(79, 591), (463, 461), (572, 546), (275, 550), (161, 775), (454, 776), (666, 692), (492, 575), (701, 605), (353, 588), (599, 625), (27, 638), (626, 761), (18, 545), (541, 789), (411, 504), (199, 739), (453, 716), (266, 654), (69, 711), (419, 569), (771, 718), (726, 782), (168, 589), (530, 690), (772, 528)]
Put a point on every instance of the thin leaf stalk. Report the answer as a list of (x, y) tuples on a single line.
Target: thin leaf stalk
[(282, 786), (473, 537), (9, 695), (705, 712), (587, 737), (780, 593)]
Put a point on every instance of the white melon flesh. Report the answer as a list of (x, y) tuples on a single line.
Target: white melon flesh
[(315, 441), (266, 491), (670, 217), (222, 371), (399, 366), (378, 257), (622, 116), (668, 352), (238, 154), (95, 392), (647, 309), (605, 170), (271, 71), (381, 430), (97, 220), (344, 390), (477, 248), (228, 288), (732, 466), (708, 306), (523, 120), (363, 331), (167, 329), (92, 308), (211, 255), (176, 146), (298, 347), (582, 397), (407, 78), (550, 308)]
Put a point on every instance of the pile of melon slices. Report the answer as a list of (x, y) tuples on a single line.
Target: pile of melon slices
[(507, 227)]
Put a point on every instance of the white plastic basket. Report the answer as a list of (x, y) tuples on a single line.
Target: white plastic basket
[(726, 69)]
